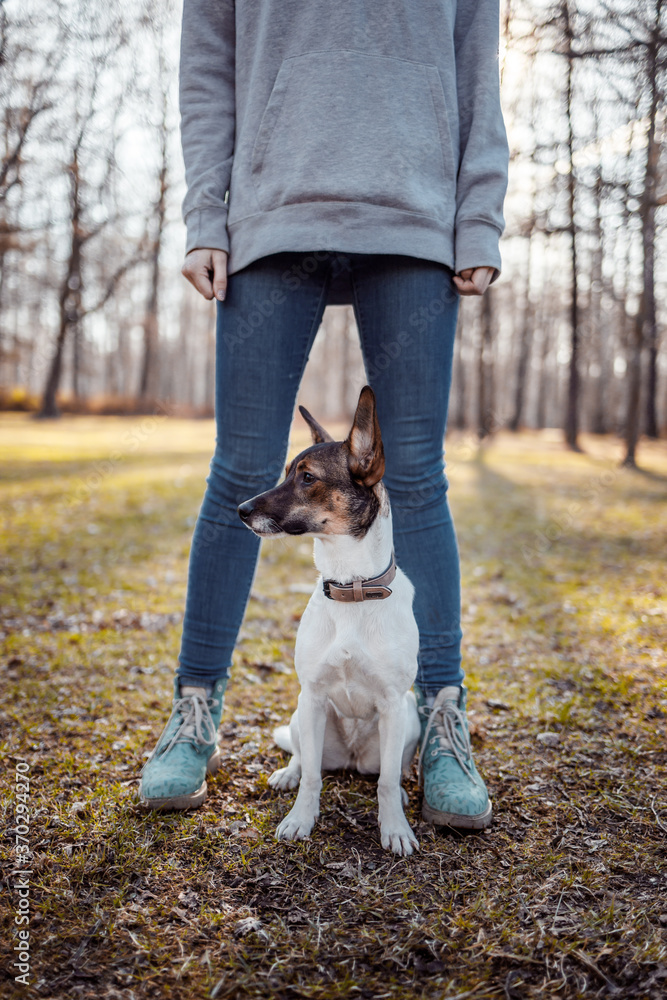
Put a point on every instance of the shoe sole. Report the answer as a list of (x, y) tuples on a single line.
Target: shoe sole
[(458, 820), (192, 801)]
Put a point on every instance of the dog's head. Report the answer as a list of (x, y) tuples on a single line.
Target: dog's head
[(331, 488)]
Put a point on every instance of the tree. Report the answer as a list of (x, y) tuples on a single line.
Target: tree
[(649, 31), (148, 382), (92, 150), (572, 408)]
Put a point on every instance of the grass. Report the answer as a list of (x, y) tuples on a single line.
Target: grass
[(565, 607)]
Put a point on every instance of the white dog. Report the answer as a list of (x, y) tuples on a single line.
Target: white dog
[(357, 643)]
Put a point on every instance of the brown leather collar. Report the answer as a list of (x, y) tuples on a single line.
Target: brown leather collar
[(375, 589)]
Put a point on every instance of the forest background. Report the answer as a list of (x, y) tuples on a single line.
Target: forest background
[(95, 316)]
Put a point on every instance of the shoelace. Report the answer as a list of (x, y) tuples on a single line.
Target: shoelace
[(196, 725), (452, 731)]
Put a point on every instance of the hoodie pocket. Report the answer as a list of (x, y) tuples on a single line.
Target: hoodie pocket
[(352, 127)]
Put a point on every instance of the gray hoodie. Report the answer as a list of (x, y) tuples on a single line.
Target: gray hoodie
[(363, 126)]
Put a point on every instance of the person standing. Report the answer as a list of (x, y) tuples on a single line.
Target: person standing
[(349, 152)]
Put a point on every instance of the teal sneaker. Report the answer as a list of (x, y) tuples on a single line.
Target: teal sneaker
[(454, 793), (174, 776)]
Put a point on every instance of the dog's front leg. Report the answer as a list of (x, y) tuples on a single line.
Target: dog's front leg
[(312, 722), (395, 831)]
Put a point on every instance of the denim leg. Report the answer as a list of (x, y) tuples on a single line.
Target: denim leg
[(406, 310), (265, 331)]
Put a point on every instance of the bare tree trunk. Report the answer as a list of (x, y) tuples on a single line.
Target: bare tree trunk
[(633, 376), (542, 380), (648, 206), (525, 344), (572, 409), (600, 332), (2, 315), (149, 373), (459, 416), (77, 360), (651, 428), (485, 417), (148, 383), (69, 299), (645, 332)]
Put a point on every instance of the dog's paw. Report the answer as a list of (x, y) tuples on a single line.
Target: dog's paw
[(284, 778), (399, 838), (295, 826)]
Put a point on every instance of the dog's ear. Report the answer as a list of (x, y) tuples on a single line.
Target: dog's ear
[(320, 436), (364, 443)]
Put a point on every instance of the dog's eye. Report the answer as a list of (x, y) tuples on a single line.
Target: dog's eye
[(308, 478)]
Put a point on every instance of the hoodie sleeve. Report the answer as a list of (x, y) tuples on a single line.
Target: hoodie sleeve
[(484, 153), (207, 104)]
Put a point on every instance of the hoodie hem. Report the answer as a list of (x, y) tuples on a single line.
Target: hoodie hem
[(340, 227)]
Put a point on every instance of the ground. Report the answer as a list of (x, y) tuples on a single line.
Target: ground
[(565, 607)]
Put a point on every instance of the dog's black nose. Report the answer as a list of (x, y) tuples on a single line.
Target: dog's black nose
[(245, 510)]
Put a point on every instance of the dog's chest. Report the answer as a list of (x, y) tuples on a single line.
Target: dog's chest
[(352, 690), (346, 656), (356, 654)]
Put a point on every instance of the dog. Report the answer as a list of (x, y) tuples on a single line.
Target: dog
[(357, 642)]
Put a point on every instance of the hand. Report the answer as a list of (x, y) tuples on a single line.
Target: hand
[(207, 271), (473, 280)]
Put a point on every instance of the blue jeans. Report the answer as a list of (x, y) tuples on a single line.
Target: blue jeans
[(406, 311)]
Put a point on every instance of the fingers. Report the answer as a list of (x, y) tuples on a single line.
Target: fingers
[(473, 281), (207, 270), (219, 259)]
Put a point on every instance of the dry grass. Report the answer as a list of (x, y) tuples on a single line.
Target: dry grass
[(565, 606)]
